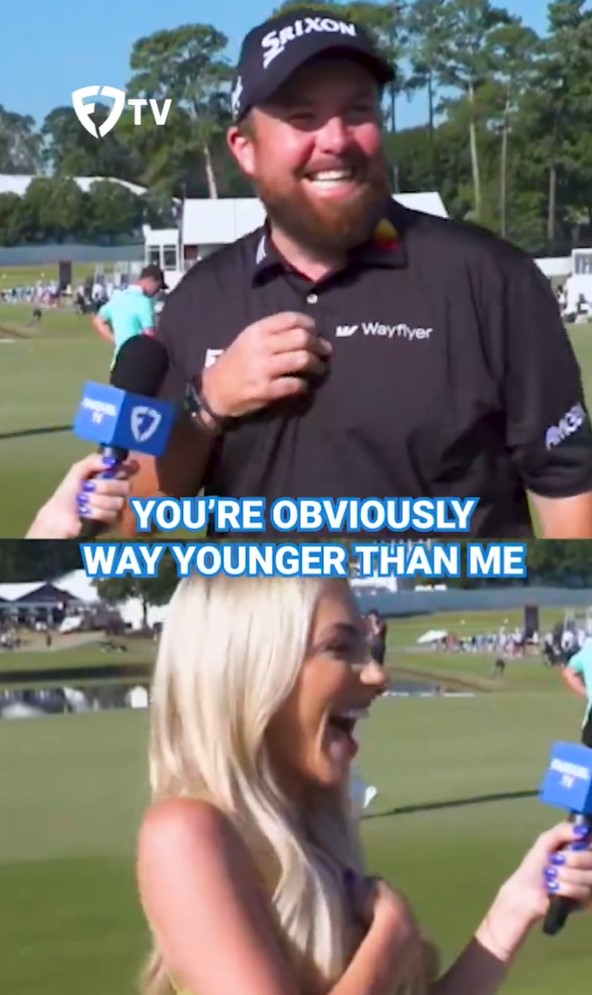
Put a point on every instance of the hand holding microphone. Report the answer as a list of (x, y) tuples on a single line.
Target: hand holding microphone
[(84, 492), (271, 360), (555, 877), (568, 785), (124, 415)]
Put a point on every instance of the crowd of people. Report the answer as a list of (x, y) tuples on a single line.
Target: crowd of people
[(86, 298), (40, 294), (573, 312), (512, 642)]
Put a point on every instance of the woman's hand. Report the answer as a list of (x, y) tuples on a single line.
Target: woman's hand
[(392, 957), (82, 494), (415, 960), (386, 907), (549, 870)]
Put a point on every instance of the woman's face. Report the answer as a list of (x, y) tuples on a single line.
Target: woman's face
[(312, 736)]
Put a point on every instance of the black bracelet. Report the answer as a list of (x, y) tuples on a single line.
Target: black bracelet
[(219, 420), (196, 403)]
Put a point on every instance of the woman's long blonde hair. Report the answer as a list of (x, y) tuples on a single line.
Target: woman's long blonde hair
[(229, 656)]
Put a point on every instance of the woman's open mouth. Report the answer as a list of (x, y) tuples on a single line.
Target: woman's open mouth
[(340, 730)]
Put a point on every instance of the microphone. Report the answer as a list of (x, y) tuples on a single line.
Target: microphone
[(124, 415), (568, 785)]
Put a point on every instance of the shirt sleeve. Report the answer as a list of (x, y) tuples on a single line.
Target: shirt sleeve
[(171, 331), (548, 428), (146, 313), (176, 327)]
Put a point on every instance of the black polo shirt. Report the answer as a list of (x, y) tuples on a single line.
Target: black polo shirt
[(451, 375)]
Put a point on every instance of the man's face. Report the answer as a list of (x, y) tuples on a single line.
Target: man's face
[(315, 156), (150, 286)]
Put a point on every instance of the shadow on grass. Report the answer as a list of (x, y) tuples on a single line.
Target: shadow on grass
[(26, 333), (506, 796), (26, 432)]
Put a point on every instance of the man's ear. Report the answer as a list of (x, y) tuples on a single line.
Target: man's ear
[(242, 147)]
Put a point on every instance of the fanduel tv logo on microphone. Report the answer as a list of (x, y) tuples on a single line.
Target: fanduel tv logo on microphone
[(112, 417), (84, 108), (568, 781)]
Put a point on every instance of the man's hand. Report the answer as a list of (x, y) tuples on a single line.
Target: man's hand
[(269, 361)]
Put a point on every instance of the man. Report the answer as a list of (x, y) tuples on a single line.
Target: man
[(131, 311), (352, 347), (577, 674), (377, 629), (499, 667)]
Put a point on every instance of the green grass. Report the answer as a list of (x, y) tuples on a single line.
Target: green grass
[(139, 651), (87, 658), (74, 789), (83, 650), (41, 378), (406, 631), (42, 372), (404, 657)]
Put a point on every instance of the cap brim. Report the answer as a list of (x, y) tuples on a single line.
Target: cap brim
[(379, 68)]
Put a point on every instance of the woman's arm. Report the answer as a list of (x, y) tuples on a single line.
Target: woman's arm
[(202, 899), (521, 902), (484, 964), (387, 956)]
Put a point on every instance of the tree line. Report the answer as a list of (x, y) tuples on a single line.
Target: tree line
[(56, 210), (505, 138)]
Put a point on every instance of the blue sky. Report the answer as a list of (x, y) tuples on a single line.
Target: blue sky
[(51, 47)]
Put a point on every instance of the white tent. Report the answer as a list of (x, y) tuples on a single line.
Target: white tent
[(12, 592), (76, 584), (433, 636), (79, 586)]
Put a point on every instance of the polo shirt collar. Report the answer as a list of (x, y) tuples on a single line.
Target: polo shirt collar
[(385, 249)]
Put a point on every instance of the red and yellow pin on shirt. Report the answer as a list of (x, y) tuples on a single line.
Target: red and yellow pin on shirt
[(386, 236)]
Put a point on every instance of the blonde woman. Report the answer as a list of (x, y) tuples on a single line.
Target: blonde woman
[(249, 867)]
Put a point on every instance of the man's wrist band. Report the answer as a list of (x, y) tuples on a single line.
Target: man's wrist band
[(198, 406), (219, 421)]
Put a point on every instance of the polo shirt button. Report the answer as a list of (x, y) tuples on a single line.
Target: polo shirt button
[(312, 298)]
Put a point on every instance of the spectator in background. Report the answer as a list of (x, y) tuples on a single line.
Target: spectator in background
[(131, 311), (499, 667), (377, 629), (577, 674)]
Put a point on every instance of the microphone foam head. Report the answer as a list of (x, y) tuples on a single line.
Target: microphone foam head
[(141, 366)]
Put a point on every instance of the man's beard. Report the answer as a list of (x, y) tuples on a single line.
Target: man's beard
[(327, 227)]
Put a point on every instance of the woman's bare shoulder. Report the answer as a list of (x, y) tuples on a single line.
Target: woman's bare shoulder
[(194, 873), (180, 824)]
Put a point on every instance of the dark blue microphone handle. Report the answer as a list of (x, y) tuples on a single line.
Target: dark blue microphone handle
[(91, 529)]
